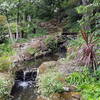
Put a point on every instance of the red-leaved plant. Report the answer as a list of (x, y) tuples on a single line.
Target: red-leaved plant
[(86, 53)]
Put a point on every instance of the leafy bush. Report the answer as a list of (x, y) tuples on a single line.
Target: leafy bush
[(5, 63), (87, 83), (77, 42), (32, 50), (4, 89), (13, 27), (5, 53), (51, 43), (78, 78), (49, 83), (90, 91), (5, 49)]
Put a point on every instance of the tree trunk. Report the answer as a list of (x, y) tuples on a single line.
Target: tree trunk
[(10, 33), (17, 22)]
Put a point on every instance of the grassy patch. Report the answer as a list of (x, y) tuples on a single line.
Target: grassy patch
[(49, 83), (5, 63), (87, 83)]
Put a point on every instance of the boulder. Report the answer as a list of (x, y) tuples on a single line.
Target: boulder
[(42, 98), (36, 44), (66, 96), (46, 65)]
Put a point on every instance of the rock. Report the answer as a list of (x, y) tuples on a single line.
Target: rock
[(36, 44), (72, 88), (55, 96), (61, 79), (46, 65), (76, 95), (4, 76), (68, 67), (66, 96), (42, 98)]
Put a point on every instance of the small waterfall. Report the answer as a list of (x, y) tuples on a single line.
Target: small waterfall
[(25, 85), (24, 73)]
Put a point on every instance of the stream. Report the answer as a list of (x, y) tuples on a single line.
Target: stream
[(25, 83)]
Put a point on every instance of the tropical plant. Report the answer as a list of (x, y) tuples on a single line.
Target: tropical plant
[(87, 53)]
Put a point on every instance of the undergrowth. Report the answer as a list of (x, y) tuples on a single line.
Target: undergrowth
[(49, 83), (4, 89), (87, 83)]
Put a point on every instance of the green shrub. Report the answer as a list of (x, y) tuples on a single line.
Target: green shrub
[(90, 91), (51, 43), (32, 51), (77, 42), (5, 49), (78, 78), (87, 83), (4, 89), (5, 63), (13, 27), (49, 84)]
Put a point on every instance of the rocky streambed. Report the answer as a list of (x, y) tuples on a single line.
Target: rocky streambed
[(29, 65), (26, 77)]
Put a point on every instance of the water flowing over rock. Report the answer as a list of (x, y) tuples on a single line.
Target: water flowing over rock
[(24, 87)]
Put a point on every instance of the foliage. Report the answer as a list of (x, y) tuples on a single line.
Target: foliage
[(5, 53), (32, 51), (49, 83), (2, 22), (5, 63), (87, 83), (90, 18), (51, 43), (2, 19), (90, 91), (4, 89), (78, 78), (13, 27), (5, 49), (77, 42), (87, 53)]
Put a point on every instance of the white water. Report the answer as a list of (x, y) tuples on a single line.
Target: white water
[(23, 84)]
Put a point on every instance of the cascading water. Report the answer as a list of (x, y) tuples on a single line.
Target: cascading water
[(25, 87)]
